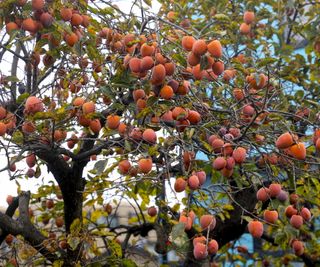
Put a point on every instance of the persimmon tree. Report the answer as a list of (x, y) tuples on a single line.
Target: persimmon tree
[(203, 116)]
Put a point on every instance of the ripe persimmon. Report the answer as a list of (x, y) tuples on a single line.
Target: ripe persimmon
[(187, 42), (145, 165), (149, 136), (124, 166), (215, 48), (180, 185), (199, 47), (158, 74), (193, 59), (245, 28), (33, 105), (298, 151), (76, 19), (207, 221), (113, 121), (28, 127), (248, 17), (138, 94), (160, 59), (193, 182), (135, 64), (147, 50), (37, 4), (88, 107), (29, 25), (11, 26), (179, 113), (255, 228), (3, 113), (146, 63), (66, 13), (95, 126), (46, 19), (218, 67), (194, 117), (197, 72), (71, 38), (78, 101), (166, 92), (270, 216), (200, 251), (141, 104), (85, 21), (170, 68), (239, 155)]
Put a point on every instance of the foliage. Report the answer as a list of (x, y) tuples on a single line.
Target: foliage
[(203, 117)]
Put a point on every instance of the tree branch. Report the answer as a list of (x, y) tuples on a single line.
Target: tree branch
[(24, 227), (9, 212)]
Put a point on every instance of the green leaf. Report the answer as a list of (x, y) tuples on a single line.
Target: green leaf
[(148, 2), (266, 61), (128, 263), (290, 231), (221, 17), (299, 94), (228, 207), (115, 248), (280, 238), (38, 172), (21, 98), (75, 227), (12, 79), (177, 231), (57, 263), (180, 59), (127, 145), (73, 242), (247, 218), (17, 137), (151, 100), (100, 165)]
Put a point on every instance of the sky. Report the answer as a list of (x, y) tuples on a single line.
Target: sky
[(8, 187)]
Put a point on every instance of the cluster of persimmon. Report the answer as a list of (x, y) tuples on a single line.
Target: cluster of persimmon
[(144, 166), (151, 60), (227, 155), (8, 124), (296, 213), (250, 99), (272, 159), (85, 112), (195, 181), (42, 17), (248, 18), (179, 117), (290, 144), (33, 105), (200, 51), (7, 121), (201, 246)]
